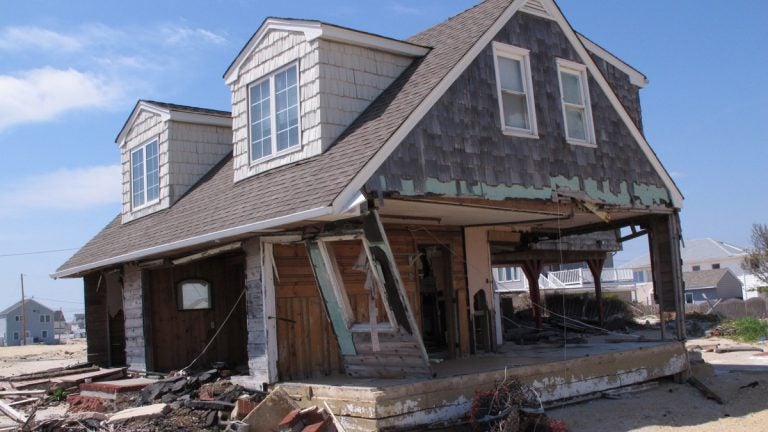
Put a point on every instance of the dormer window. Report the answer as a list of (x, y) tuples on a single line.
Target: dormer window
[(145, 175), (274, 114)]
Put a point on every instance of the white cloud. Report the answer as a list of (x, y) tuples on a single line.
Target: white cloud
[(43, 94), (182, 35), (402, 9), (65, 189), (25, 38)]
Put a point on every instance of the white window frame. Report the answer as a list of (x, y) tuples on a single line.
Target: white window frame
[(688, 296), (573, 68), (273, 114), (143, 147), (523, 56), (502, 277)]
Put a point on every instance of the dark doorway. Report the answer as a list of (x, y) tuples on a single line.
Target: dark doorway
[(181, 327), (438, 302)]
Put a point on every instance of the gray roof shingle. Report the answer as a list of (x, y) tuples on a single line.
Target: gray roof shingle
[(704, 278), (216, 203)]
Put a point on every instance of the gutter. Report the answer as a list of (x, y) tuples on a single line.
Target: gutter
[(201, 239)]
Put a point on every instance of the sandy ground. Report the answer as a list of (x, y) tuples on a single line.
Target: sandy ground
[(680, 407), (34, 358)]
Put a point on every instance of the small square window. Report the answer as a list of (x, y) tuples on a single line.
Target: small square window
[(574, 97), (689, 298), (15, 335), (715, 266), (194, 294), (515, 90), (18, 318), (42, 318), (44, 333), (696, 268)]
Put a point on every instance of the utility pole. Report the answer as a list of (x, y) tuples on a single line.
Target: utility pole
[(23, 313)]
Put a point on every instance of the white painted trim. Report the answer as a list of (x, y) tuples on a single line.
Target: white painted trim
[(533, 10), (523, 56), (171, 114), (635, 76), (270, 77), (199, 240), (426, 104), (405, 128), (143, 148), (579, 70), (313, 30)]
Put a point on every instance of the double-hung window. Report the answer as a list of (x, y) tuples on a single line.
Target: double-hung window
[(145, 174), (574, 95), (274, 113), (515, 90), (508, 274)]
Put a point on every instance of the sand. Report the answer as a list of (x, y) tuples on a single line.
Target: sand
[(680, 407), (34, 358)]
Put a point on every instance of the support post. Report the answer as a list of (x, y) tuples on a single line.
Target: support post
[(532, 270), (596, 267)]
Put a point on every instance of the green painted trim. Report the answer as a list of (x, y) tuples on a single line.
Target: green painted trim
[(642, 194), (332, 304)]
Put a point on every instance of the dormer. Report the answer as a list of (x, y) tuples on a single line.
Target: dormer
[(164, 150), (297, 85)]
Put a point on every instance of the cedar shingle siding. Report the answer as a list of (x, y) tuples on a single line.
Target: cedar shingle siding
[(460, 139)]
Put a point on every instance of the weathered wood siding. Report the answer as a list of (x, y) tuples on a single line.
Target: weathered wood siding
[(336, 83), (133, 307), (459, 149), (306, 343), (256, 320), (628, 93), (96, 319)]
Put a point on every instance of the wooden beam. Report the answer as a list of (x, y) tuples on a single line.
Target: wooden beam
[(532, 269), (596, 267)]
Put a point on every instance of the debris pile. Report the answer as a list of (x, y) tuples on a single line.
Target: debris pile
[(88, 398), (511, 407)]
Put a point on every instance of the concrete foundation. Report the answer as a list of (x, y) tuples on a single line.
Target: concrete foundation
[(554, 372)]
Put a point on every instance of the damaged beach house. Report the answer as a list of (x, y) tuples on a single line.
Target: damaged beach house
[(337, 232)]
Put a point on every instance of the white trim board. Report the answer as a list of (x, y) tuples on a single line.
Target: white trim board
[(421, 110), (167, 114), (315, 29)]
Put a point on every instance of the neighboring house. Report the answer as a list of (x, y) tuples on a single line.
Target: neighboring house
[(708, 286), (346, 216), (701, 254), (60, 326), (39, 324)]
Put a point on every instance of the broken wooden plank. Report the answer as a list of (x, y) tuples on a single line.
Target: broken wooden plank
[(706, 391), (12, 413), (23, 401), (144, 412), (102, 374), (737, 348), (22, 392), (52, 373), (270, 411)]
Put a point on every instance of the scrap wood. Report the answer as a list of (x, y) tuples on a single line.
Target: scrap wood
[(336, 422), (52, 373), (23, 401), (706, 391), (12, 413), (22, 392), (737, 348)]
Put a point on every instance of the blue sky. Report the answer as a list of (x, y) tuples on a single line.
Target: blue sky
[(70, 72)]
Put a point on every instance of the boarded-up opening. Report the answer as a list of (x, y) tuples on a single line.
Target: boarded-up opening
[(178, 334)]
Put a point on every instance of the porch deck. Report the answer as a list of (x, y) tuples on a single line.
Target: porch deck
[(556, 372)]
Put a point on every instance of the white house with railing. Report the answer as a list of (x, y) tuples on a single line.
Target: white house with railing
[(614, 280)]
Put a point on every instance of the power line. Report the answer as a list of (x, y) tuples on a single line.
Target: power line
[(61, 301), (37, 252)]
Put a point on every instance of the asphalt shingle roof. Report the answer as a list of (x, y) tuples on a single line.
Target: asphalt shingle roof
[(216, 203), (704, 278), (703, 249)]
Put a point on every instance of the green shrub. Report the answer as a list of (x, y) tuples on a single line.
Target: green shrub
[(750, 329)]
